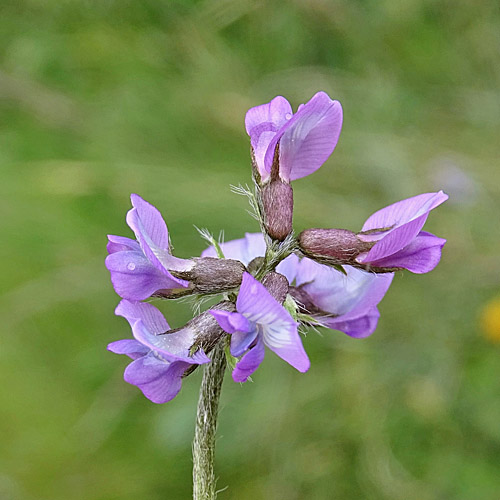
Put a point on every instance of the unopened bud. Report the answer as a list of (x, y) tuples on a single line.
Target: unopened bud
[(277, 201), (277, 285), (303, 300), (212, 275), (333, 246)]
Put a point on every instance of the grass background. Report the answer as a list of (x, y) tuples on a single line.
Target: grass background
[(101, 99)]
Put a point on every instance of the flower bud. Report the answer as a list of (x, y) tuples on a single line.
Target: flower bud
[(212, 275), (277, 202), (332, 246), (277, 285)]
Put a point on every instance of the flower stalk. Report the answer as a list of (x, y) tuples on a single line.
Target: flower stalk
[(204, 481)]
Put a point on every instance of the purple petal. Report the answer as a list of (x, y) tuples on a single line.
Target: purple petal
[(308, 139), (278, 328), (120, 244), (262, 123), (359, 328), (420, 256), (244, 249), (404, 211), (288, 267), (394, 240), (132, 348), (151, 318), (152, 234), (249, 362), (160, 381), (231, 322), (241, 341), (135, 278), (150, 328), (349, 296)]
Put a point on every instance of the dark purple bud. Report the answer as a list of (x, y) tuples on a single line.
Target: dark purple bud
[(277, 202), (277, 285), (334, 246), (211, 275)]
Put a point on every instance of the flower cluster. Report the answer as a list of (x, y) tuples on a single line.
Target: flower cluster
[(272, 284)]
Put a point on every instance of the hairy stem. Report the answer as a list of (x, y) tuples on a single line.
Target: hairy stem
[(206, 426)]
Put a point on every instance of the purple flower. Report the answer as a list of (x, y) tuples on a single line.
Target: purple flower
[(141, 268), (306, 139), (341, 302), (397, 237), (260, 321), (160, 358)]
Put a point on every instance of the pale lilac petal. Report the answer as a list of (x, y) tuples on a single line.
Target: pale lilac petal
[(231, 322), (132, 348), (249, 362), (241, 341), (350, 295), (420, 256), (258, 305), (150, 316), (152, 234), (308, 139), (160, 381), (121, 243), (284, 340), (135, 278), (394, 240), (288, 267), (404, 211), (359, 327), (244, 249), (151, 329), (262, 123)]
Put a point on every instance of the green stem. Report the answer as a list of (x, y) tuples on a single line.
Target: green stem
[(206, 426)]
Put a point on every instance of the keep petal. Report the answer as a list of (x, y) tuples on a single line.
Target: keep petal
[(394, 240), (420, 256), (231, 322), (132, 348), (160, 381), (308, 139), (404, 211), (261, 123), (152, 234), (257, 304), (359, 328), (350, 295), (151, 329), (135, 278), (249, 362), (121, 243)]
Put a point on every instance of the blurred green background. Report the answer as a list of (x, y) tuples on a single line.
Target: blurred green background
[(101, 99)]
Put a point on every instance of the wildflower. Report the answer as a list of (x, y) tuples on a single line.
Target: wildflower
[(341, 302), (390, 239), (146, 267), (287, 146), (306, 139), (261, 321), (161, 356)]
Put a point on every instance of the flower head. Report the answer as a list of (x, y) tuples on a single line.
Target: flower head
[(306, 139), (160, 358), (260, 321)]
